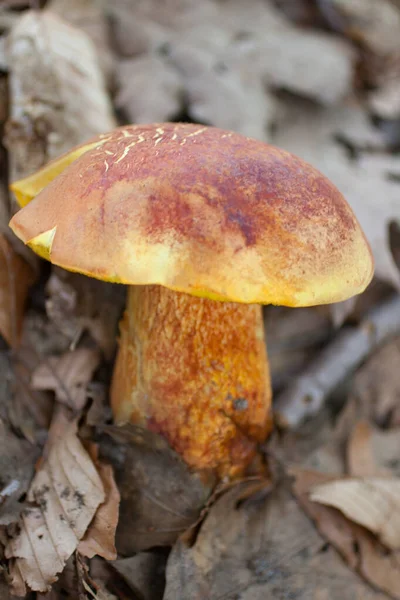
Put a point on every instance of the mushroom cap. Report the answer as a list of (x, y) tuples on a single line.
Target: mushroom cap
[(199, 210)]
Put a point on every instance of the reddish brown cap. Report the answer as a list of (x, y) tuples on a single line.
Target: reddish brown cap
[(199, 210)]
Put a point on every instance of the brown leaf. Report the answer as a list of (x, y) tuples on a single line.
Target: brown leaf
[(68, 375), (359, 548), (261, 548), (160, 496), (100, 536), (380, 568), (66, 493), (16, 277), (371, 502)]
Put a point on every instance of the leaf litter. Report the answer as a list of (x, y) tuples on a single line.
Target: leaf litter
[(65, 492), (99, 539), (373, 502), (68, 375), (327, 91)]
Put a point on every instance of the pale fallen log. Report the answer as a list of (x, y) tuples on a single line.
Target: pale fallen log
[(308, 392)]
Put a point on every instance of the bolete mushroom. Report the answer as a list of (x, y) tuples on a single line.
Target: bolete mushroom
[(204, 225)]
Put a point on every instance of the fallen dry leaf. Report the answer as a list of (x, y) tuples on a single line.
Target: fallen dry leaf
[(100, 536), (66, 493), (61, 420), (264, 547), (68, 375), (359, 548), (160, 496), (371, 502), (16, 277), (54, 72), (91, 17), (76, 303)]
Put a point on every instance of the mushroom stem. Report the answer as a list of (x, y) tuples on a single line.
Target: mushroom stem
[(196, 371)]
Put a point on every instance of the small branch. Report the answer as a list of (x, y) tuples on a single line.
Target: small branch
[(308, 393)]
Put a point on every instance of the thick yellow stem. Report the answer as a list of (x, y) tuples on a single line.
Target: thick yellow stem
[(196, 371)]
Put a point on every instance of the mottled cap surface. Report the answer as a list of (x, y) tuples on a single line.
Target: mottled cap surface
[(199, 210)]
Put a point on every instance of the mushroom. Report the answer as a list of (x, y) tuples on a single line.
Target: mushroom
[(205, 226)]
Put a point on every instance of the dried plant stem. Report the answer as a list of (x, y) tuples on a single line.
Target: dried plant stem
[(308, 392)]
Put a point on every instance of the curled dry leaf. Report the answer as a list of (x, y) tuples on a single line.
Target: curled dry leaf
[(16, 277), (359, 548), (68, 375), (66, 493), (54, 72), (100, 537), (371, 502)]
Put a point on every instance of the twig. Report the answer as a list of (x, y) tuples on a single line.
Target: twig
[(308, 393)]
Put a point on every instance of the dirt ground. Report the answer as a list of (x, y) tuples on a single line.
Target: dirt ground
[(321, 519)]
